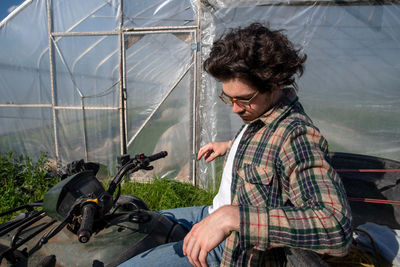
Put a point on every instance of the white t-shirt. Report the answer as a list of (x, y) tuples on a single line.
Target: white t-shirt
[(224, 193)]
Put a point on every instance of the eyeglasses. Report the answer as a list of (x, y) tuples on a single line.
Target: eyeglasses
[(240, 102)]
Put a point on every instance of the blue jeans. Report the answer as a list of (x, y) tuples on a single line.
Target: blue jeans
[(171, 254)]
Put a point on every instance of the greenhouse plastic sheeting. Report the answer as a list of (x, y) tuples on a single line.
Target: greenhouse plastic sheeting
[(94, 79), (351, 84)]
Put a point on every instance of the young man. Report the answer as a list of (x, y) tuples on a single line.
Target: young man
[(279, 202)]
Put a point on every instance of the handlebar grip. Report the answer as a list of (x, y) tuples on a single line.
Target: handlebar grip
[(157, 156), (86, 228)]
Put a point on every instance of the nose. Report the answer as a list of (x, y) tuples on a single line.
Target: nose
[(237, 109)]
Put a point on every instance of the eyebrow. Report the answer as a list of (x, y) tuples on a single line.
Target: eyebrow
[(239, 97)]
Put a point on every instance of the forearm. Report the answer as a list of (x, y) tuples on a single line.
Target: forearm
[(317, 229)]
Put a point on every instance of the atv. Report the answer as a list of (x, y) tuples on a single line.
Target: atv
[(79, 223)]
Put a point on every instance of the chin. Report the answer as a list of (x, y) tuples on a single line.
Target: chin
[(246, 121)]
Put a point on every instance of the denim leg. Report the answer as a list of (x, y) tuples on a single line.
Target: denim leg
[(170, 254), (187, 216)]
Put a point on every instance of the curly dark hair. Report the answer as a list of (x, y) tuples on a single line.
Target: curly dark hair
[(265, 58)]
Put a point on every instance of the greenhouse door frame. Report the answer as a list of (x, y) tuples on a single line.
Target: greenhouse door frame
[(193, 31)]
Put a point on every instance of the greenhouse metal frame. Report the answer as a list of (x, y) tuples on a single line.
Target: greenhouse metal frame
[(178, 108)]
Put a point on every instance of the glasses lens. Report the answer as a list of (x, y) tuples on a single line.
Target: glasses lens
[(226, 100), (242, 103)]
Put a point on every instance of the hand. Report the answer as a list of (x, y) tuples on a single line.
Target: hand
[(213, 150), (209, 233)]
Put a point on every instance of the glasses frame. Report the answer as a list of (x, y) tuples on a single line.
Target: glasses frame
[(240, 102)]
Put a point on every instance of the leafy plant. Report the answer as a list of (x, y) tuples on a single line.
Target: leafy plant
[(23, 181)]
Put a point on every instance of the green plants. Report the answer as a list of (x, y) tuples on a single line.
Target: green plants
[(167, 194), (25, 181), (22, 180)]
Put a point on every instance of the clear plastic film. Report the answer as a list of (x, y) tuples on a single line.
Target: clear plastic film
[(91, 79)]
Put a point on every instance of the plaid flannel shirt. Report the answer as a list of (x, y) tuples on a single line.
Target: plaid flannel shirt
[(287, 193)]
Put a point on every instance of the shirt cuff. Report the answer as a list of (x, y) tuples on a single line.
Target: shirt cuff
[(253, 227)]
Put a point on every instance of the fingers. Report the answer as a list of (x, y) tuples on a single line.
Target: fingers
[(201, 153), (195, 254), (185, 244), (210, 157), (213, 150), (205, 151), (203, 258)]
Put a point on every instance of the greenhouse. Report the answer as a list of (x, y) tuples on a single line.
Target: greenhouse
[(96, 79)]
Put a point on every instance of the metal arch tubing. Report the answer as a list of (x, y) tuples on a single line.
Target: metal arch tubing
[(160, 29), (146, 66), (144, 59), (117, 66), (177, 12), (122, 84), (105, 59), (317, 2), (84, 53), (15, 12), (69, 34), (87, 108), (52, 73), (196, 98), (159, 104), (26, 105), (136, 51), (130, 19)]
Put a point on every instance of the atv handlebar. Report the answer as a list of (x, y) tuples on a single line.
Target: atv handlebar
[(89, 209), (86, 228), (157, 156), (130, 165)]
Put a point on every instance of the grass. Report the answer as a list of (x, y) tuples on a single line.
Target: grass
[(24, 181), (167, 194)]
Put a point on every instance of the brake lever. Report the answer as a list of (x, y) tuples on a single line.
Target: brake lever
[(148, 168)]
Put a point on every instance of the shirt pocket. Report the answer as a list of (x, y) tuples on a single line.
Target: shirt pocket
[(256, 184)]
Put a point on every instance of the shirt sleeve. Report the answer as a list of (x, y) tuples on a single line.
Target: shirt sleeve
[(315, 215)]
